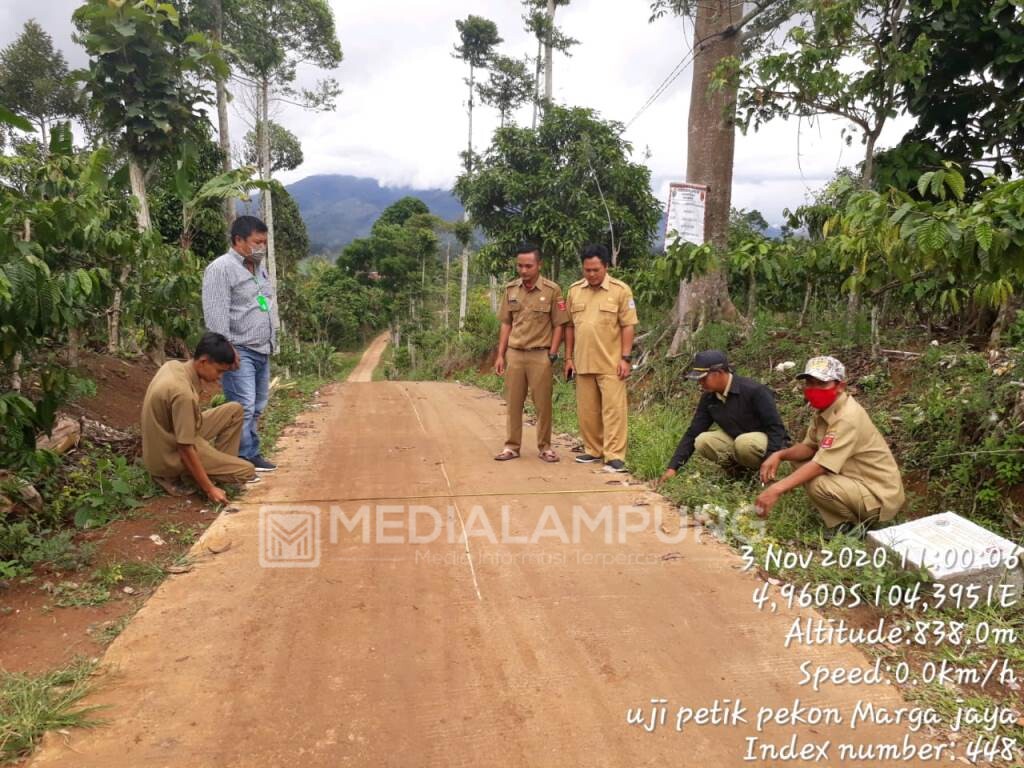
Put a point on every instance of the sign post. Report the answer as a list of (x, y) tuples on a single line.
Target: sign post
[(685, 215)]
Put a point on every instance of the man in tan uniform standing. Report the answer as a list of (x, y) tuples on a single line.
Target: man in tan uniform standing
[(844, 462), (599, 353), (532, 315), (179, 440)]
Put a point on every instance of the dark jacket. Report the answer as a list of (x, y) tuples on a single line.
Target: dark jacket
[(749, 407)]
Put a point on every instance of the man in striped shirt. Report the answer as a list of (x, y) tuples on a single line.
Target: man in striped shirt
[(239, 302)]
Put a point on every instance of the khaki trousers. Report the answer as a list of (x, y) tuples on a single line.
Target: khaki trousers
[(528, 370), (841, 499), (748, 449), (217, 445), (601, 409)]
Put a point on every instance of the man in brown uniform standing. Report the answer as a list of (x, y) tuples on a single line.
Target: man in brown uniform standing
[(532, 315), (843, 462), (181, 441), (599, 352)]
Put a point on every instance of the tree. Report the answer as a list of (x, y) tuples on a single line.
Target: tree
[(401, 211), (54, 274), (208, 16), (511, 85), (721, 32), (271, 38), (539, 21), (145, 89), (478, 37), (285, 149), (969, 100), (563, 185), (201, 163), (848, 59), (35, 82), (294, 239)]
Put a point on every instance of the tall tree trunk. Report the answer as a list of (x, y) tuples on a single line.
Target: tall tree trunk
[(137, 179), (447, 283), (876, 333), (223, 132), (494, 294), (469, 141), (74, 344), (808, 292), (752, 294), (16, 362), (267, 197), (536, 81), (549, 53), (1007, 313), (710, 149), (867, 174), (114, 311), (464, 289)]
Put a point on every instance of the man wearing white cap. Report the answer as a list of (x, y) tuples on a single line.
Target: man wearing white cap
[(843, 462)]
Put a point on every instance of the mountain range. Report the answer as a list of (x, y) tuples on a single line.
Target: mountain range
[(338, 209)]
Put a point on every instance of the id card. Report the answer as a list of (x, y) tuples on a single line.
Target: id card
[(264, 305)]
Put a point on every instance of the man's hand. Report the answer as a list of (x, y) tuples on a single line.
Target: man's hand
[(769, 498), (667, 475), (499, 365), (625, 368), (770, 467), (216, 495), (238, 362), (570, 370)]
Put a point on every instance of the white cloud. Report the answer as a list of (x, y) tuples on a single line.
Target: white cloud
[(401, 118)]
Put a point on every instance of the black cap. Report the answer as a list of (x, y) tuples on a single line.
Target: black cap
[(706, 362)]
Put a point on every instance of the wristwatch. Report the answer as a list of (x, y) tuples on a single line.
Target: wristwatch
[(628, 358), (552, 357)]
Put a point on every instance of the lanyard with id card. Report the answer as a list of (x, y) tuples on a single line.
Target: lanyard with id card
[(261, 300)]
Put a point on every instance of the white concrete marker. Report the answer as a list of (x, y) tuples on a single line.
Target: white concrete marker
[(954, 550)]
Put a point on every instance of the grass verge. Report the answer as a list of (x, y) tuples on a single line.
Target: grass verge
[(30, 705)]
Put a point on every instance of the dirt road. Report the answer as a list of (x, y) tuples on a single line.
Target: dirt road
[(453, 650), (370, 359)]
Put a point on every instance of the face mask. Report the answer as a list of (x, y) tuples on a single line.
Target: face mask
[(258, 254), (821, 398)]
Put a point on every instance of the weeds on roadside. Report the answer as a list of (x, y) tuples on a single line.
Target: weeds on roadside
[(30, 705), (109, 632)]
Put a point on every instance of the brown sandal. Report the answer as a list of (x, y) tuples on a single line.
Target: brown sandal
[(549, 456), (507, 455)]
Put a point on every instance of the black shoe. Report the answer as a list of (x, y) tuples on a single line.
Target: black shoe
[(586, 458), (261, 464), (615, 465)]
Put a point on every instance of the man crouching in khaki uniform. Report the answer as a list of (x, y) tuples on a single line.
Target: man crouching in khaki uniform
[(599, 352), (532, 314), (180, 441), (844, 462)]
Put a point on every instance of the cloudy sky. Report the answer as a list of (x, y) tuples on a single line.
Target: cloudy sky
[(401, 118)]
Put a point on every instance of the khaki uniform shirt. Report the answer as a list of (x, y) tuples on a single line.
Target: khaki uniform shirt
[(532, 314), (848, 443), (598, 316), (171, 416)]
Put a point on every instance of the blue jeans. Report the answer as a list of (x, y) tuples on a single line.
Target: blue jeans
[(248, 386)]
